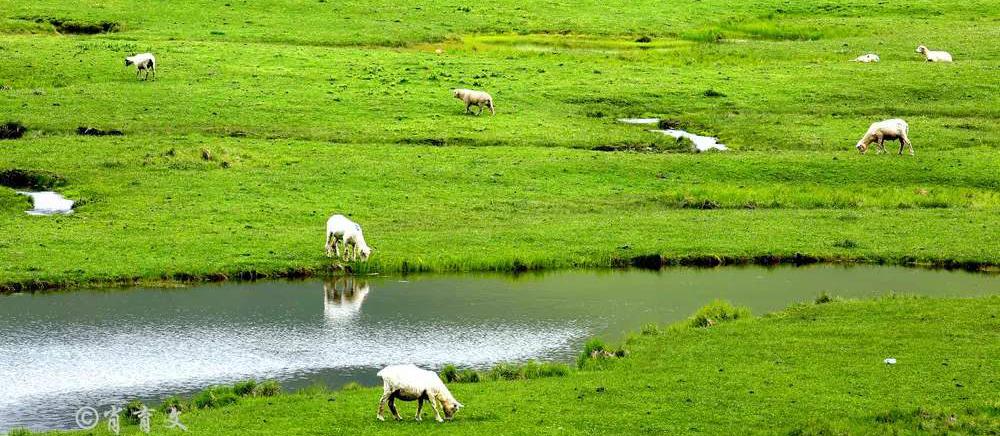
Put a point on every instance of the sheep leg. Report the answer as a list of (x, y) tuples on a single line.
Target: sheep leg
[(437, 413), (381, 404), (881, 144), (909, 144), (392, 407), (480, 105), (420, 409), (329, 250), (902, 144), (468, 106)]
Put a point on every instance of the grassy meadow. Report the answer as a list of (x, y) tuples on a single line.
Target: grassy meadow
[(261, 124), (268, 116), (810, 369)]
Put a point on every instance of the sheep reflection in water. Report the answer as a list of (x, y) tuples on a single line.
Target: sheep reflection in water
[(343, 297)]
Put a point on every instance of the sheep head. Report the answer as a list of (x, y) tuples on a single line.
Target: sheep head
[(128, 61), (922, 49), (862, 146), (450, 408)]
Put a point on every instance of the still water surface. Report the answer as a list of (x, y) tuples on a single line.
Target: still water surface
[(61, 351)]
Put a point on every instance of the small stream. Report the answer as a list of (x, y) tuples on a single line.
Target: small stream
[(61, 351)]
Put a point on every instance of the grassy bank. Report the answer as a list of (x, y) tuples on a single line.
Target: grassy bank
[(156, 210), (810, 369), (266, 118)]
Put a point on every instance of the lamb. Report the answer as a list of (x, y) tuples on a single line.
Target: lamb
[(867, 58), (408, 383), (934, 56), (889, 129), (143, 62), (341, 230), (477, 98)]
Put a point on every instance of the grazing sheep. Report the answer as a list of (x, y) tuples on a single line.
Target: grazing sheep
[(143, 62), (934, 56), (477, 98), (409, 383), (867, 58), (894, 129), (341, 230)]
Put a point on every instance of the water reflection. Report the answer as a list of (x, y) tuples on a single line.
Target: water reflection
[(343, 297)]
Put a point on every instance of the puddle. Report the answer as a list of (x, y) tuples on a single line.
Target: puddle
[(48, 203), (701, 143), (639, 120)]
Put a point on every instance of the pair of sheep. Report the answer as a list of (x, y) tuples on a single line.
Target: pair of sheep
[(932, 56)]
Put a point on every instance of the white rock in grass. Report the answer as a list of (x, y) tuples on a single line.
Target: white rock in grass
[(889, 361)]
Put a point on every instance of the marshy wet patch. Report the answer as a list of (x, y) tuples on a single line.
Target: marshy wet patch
[(37, 185), (48, 203), (685, 140)]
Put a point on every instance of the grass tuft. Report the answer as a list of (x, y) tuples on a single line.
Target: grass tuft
[(245, 388), (824, 298), (651, 329), (268, 388), (716, 312)]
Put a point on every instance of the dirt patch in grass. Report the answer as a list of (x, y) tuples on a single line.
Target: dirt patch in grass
[(30, 179), (12, 130), (93, 131)]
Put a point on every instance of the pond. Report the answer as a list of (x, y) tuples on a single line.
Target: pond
[(62, 351)]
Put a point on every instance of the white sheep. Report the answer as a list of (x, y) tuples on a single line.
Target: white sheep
[(894, 129), (477, 98), (934, 56), (409, 383), (341, 230), (867, 58), (143, 62)]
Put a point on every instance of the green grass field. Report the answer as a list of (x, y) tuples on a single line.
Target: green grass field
[(266, 117), (810, 369), (328, 107)]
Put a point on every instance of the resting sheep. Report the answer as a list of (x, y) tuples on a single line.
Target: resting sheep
[(409, 383), (477, 98), (894, 129), (341, 230), (867, 58), (934, 56), (143, 62)]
